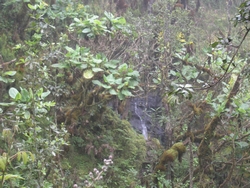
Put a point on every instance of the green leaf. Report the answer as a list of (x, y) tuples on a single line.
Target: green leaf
[(112, 92), (86, 30), (2, 163), (77, 20), (2, 79), (9, 73), (39, 92), (45, 94), (18, 97), (134, 73), (83, 66), (13, 92), (31, 93), (32, 156), (215, 44), (109, 79), (121, 96), (118, 81), (126, 92), (60, 65), (109, 15), (111, 64), (32, 7), (96, 69), (26, 115), (123, 67), (97, 61), (25, 95), (242, 144), (19, 155), (11, 176), (71, 50), (7, 104), (97, 82), (24, 157)]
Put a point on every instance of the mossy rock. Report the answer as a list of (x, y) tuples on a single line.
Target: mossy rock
[(128, 147)]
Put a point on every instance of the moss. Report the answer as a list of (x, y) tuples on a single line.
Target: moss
[(5, 51), (179, 147), (177, 150), (108, 134), (78, 163)]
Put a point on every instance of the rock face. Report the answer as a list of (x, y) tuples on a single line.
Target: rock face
[(143, 112)]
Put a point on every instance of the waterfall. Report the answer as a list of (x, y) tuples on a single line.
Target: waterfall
[(144, 128)]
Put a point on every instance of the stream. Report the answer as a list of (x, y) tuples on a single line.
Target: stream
[(143, 125)]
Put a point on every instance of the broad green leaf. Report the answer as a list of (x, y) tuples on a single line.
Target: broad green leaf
[(11, 176), (126, 92), (123, 67), (32, 156), (121, 85), (76, 20), (86, 30), (19, 155), (132, 84), (214, 44), (9, 73), (26, 115), (69, 49), (39, 92), (121, 96), (118, 81), (112, 92), (7, 104), (32, 7), (31, 93), (97, 61), (242, 144), (134, 73), (109, 79), (88, 74), (13, 92), (18, 97), (25, 95), (45, 94), (60, 65), (2, 163), (109, 15), (83, 66), (97, 82), (96, 69), (111, 64), (24, 157), (2, 79)]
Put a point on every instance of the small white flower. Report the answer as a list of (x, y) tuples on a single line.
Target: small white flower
[(104, 168), (96, 171), (91, 175)]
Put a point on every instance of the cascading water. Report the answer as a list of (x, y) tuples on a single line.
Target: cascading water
[(144, 128)]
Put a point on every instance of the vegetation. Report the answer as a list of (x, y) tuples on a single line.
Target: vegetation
[(70, 69)]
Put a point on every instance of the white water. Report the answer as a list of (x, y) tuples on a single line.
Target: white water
[(144, 128)]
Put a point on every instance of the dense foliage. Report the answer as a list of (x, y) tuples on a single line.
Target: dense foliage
[(69, 71)]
